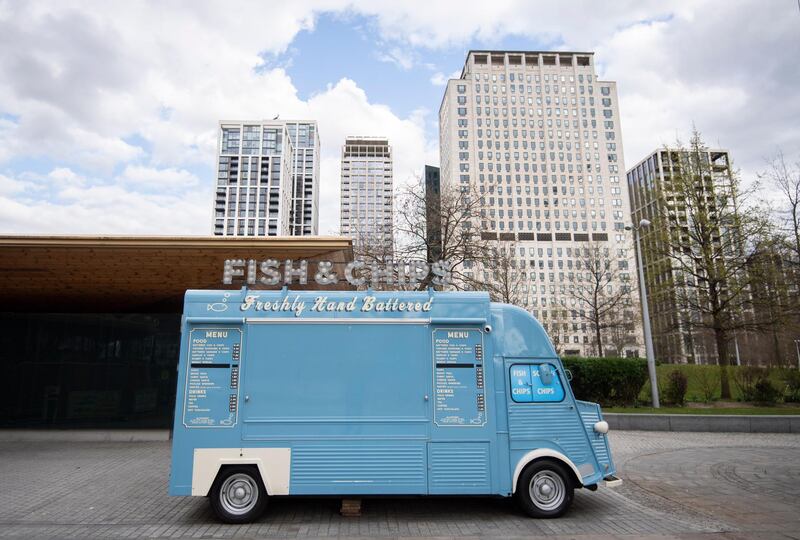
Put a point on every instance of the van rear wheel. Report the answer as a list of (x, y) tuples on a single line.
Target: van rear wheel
[(238, 495), (545, 489)]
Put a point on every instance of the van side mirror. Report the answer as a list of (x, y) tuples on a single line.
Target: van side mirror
[(546, 374), (568, 374)]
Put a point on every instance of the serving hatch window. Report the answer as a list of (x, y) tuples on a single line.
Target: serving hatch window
[(535, 383)]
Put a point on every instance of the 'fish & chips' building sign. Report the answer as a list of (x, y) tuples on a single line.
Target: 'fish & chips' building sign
[(271, 272)]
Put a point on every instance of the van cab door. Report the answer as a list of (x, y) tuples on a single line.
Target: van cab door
[(461, 443), (542, 413)]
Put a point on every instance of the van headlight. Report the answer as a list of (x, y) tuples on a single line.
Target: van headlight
[(601, 426)]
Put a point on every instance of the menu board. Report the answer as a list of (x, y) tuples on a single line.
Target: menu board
[(212, 378), (459, 393)]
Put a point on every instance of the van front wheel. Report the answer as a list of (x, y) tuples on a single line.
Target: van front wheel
[(545, 489), (238, 495)]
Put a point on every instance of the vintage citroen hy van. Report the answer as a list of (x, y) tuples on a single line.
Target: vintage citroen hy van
[(376, 393)]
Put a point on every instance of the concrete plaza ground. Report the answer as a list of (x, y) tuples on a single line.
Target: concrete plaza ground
[(677, 485)]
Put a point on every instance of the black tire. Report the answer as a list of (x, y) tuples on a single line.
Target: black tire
[(238, 495), (545, 489)]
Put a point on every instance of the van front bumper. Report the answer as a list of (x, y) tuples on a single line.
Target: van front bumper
[(612, 481)]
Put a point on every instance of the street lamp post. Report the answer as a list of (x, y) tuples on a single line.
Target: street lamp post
[(648, 335)]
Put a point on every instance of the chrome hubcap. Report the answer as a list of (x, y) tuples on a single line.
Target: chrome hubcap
[(547, 490), (239, 494)]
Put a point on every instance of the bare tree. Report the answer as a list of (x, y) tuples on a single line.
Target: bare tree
[(779, 264), (774, 291), (624, 336), (476, 263), (505, 279), (702, 229), (786, 177), (603, 298), (459, 241), (371, 246), (558, 337)]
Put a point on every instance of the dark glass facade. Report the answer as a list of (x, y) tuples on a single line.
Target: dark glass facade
[(88, 370), (433, 212)]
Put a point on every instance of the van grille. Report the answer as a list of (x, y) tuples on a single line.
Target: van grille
[(590, 414)]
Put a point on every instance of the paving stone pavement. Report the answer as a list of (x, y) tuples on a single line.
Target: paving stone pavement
[(677, 485)]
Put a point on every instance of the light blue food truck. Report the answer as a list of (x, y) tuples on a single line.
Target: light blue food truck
[(376, 393)]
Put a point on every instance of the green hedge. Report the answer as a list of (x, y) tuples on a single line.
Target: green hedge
[(624, 381), (608, 381), (704, 381)]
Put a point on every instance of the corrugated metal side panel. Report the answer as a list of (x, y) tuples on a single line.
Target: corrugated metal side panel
[(590, 414), (457, 468), (549, 421), (359, 468)]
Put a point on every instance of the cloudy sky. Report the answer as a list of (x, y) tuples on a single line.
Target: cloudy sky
[(108, 110)]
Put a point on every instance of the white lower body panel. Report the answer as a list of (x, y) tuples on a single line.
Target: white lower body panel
[(274, 464)]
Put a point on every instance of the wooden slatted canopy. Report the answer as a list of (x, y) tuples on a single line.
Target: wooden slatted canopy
[(124, 274)]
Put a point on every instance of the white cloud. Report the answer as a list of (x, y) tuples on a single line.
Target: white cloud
[(65, 202), (150, 177), (423, 23), (81, 78), (399, 57), (729, 67), (406, 135), (103, 88), (6, 139), (440, 79), (133, 104), (10, 186), (89, 206), (737, 86), (64, 176)]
